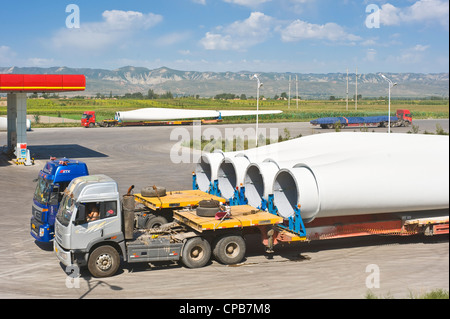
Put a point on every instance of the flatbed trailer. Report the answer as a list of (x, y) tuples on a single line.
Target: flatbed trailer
[(111, 123), (241, 216), (176, 199), (88, 120), (403, 117), (292, 229), (159, 209)]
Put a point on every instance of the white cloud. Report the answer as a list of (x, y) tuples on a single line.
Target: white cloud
[(116, 26), (300, 30), (248, 3), (172, 38), (420, 48), (371, 55), (240, 35), (40, 62), (421, 11), (413, 55), (6, 55), (203, 2), (297, 6)]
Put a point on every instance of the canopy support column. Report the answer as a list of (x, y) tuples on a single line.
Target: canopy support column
[(17, 127)]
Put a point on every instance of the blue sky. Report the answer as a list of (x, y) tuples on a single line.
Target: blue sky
[(304, 36)]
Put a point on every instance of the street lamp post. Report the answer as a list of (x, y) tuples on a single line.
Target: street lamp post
[(391, 85), (257, 106)]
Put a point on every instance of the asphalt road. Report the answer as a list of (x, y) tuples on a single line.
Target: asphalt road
[(141, 156)]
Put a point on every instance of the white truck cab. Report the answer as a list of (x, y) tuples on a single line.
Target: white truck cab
[(89, 215)]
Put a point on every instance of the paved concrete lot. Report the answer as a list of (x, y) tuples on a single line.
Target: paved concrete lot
[(140, 156)]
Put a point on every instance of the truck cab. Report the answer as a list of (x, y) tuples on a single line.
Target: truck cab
[(51, 183), (77, 230), (404, 116), (88, 119)]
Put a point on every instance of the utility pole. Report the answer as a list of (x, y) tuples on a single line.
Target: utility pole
[(296, 88), (289, 96), (257, 106), (356, 95), (347, 92)]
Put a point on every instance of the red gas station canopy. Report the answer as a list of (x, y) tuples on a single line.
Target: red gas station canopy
[(31, 83)]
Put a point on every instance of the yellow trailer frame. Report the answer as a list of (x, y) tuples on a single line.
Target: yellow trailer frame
[(241, 216), (176, 199)]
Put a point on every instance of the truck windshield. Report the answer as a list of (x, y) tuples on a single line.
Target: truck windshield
[(86, 116), (66, 209), (43, 190)]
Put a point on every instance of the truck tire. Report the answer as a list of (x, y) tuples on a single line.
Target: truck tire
[(196, 253), (104, 261), (229, 250), (155, 222), (207, 211), (150, 192), (209, 203)]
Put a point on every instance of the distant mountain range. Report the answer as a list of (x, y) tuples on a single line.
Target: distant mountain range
[(207, 84)]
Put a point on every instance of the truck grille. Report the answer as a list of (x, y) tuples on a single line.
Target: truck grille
[(58, 236), (37, 213)]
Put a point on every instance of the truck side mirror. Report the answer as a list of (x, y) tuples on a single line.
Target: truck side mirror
[(54, 196), (81, 215)]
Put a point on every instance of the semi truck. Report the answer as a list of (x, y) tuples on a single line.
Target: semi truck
[(88, 120), (198, 231), (51, 183), (403, 117)]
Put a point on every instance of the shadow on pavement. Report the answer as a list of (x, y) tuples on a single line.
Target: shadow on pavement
[(40, 152)]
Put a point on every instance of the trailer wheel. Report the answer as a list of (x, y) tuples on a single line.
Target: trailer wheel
[(149, 191), (229, 250), (196, 252), (155, 222), (104, 261)]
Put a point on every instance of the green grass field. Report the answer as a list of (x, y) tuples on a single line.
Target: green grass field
[(306, 111)]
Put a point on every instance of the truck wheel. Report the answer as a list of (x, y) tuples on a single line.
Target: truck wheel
[(229, 250), (155, 222), (196, 253), (104, 261), (207, 211), (150, 192)]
